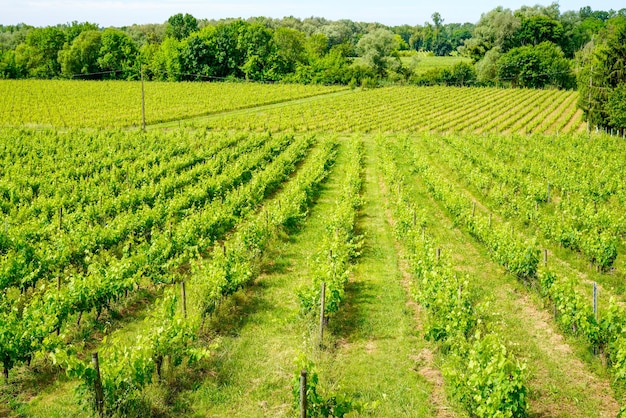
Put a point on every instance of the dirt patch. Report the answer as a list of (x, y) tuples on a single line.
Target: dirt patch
[(424, 361), (555, 345), (424, 365)]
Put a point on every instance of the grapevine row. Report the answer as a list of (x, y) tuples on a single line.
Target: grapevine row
[(127, 368), (339, 244), (487, 379), (574, 312), (108, 278)]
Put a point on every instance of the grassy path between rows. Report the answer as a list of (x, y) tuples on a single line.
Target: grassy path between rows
[(261, 331), (374, 354), (561, 384), (379, 356)]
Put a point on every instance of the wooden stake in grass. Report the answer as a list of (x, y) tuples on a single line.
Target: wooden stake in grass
[(322, 319), (595, 300), (303, 394), (438, 254), (60, 218), (548, 199), (98, 385), (184, 292), (545, 257)]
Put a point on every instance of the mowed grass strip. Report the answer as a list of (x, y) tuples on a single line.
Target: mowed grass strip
[(261, 331), (376, 355), (560, 383)]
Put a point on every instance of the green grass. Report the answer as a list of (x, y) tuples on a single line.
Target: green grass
[(372, 346), (427, 62), (377, 351), (560, 383), (261, 331), (374, 353)]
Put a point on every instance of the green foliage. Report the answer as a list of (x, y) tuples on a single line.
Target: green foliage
[(108, 104), (288, 49), (179, 27), (497, 28), (37, 56), (520, 257), (536, 67), (126, 367), (118, 53), (540, 28), (489, 380), (583, 222), (603, 73), (461, 74), (317, 404), (487, 67), (485, 377), (494, 168), (616, 107), (339, 244), (376, 49), (81, 57), (165, 64)]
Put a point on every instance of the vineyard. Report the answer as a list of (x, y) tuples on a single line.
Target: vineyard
[(466, 246)]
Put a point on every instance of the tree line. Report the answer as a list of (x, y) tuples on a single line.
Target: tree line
[(532, 47), (312, 50)]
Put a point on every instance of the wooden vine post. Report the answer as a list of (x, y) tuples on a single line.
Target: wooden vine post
[(98, 385), (303, 405), (184, 294), (595, 309), (322, 318), (595, 300)]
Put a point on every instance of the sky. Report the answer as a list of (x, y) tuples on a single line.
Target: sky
[(126, 12)]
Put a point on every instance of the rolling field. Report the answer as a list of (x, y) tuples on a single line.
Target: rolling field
[(470, 241)]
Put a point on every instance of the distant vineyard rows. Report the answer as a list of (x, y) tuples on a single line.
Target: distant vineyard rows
[(420, 109), (285, 107), (116, 104)]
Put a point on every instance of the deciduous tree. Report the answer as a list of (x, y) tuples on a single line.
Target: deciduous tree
[(376, 47)]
